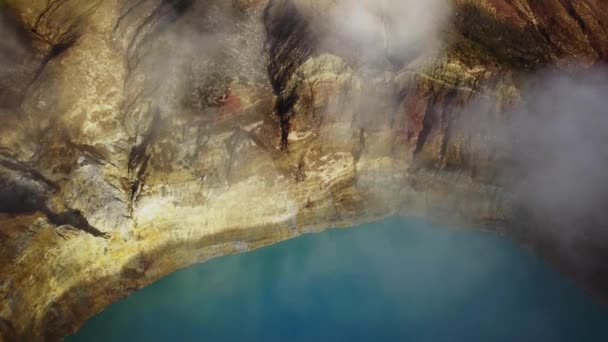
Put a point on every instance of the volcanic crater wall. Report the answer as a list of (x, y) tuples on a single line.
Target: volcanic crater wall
[(141, 136)]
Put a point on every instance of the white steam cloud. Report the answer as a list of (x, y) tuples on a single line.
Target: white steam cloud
[(555, 144), (397, 29), (560, 145), (400, 26)]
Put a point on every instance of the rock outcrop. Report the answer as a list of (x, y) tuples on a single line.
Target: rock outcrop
[(141, 136)]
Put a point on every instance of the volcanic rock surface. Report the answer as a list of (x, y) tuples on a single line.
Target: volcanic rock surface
[(141, 136)]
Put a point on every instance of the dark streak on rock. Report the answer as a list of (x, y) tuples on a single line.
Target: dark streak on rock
[(17, 198), (289, 42), (7, 331), (582, 25), (58, 45), (139, 159)]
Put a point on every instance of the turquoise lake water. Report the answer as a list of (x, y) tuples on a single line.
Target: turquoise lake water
[(396, 280)]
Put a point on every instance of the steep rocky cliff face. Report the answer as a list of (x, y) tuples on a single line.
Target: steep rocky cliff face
[(141, 136)]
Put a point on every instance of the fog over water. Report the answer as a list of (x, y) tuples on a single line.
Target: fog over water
[(399, 279)]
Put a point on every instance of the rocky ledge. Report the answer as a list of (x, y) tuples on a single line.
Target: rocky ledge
[(142, 136)]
